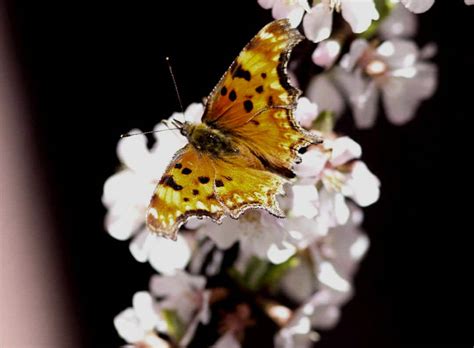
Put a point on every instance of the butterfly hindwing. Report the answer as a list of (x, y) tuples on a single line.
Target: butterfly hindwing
[(186, 189)]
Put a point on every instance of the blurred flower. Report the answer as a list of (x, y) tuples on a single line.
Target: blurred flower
[(127, 193), (395, 69), (317, 24), (323, 92), (184, 297), (326, 53), (138, 323), (401, 23), (291, 9), (469, 2)]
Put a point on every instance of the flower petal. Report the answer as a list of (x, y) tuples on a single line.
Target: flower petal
[(359, 14), (418, 6), (364, 185), (322, 91), (306, 112), (291, 10), (402, 95), (400, 23), (326, 53), (317, 24), (344, 149), (167, 256)]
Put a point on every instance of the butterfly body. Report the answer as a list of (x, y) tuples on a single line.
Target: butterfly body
[(209, 140), (243, 151)]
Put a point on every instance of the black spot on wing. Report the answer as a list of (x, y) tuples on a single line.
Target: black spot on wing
[(167, 180), (203, 179), (186, 171), (248, 105), (241, 73), (259, 89), (178, 165), (219, 183), (263, 75), (195, 192), (186, 199), (223, 91), (232, 95)]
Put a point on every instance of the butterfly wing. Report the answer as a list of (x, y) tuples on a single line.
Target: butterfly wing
[(253, 103), (186, 189), (256, 80)]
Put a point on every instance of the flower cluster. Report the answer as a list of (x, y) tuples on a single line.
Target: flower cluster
[(297, 271)]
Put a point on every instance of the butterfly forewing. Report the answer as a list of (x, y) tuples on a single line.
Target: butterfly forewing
[(256, 80)]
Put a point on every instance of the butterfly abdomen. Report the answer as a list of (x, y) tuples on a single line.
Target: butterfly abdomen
[(209, 140)]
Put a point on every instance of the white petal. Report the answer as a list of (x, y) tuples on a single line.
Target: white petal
[(124, 226), (418, 6), (363, 96), (317, 24), (402, 95), (305, 201), (128, 326), (400, 23), (364, 185), (469, 2), (291, 10), (140, 246), (359, 14), (326, 53), (299, 283), (194, 112), (174, 285), (306, 112), (278, 255), (144, 307), (328, 276), (224, 235), (357, 49), (322, 91), (266, 4), (133, 151), (326, 317), (167, 256), (227, 341), (341, 210), (344, 149), (398, 53)]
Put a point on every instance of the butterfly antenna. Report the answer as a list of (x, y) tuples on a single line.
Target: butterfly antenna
[(175, 86), (125, 135)]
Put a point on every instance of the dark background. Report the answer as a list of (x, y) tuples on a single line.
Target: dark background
[(92, 70)]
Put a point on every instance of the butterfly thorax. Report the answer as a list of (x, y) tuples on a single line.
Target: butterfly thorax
[(208, 139)]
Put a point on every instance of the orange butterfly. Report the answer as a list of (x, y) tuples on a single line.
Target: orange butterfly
[(243, 152)]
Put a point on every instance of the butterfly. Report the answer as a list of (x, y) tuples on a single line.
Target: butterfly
[(243, 151)]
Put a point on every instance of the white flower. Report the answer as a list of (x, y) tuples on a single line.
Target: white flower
[(259, 234), (359, 14), (291, 9), (138, 323), (400, 23), (395, 70), (469, 2), (127, 193), (185, 295)]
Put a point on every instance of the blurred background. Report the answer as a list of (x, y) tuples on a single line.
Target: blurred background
[(75, 75)]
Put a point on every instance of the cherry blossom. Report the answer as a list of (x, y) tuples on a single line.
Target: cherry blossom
[(396, 70), (291, 9), (317, 24)]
